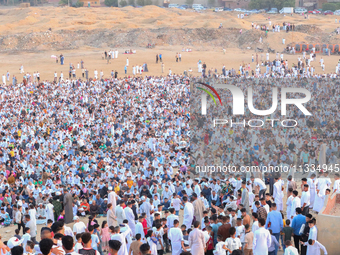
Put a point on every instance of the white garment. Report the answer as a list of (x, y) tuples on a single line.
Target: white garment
[(233, 244), (305, 198), (188, 214), (296, 202), (49, 212), (112, 200), (131, 219), (79, 227), (278, 195), (261, 242), (176, 237), (219, 249), (121, 237), (291, 250), (289, 206), (120, 214), (140, 230), (315, 249)]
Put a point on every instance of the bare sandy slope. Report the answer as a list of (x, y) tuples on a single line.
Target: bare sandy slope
[(63, 18)]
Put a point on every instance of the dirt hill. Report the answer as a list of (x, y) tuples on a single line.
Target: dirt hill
[(52, 28)]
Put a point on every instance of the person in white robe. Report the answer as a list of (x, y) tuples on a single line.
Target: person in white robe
[(262, 239), (278, 195), (188, 213), (146, 208), (321, 200), (296, 202), (196, 240), (116, 53), (130, 217), (121, 238), (49, 211), (323, 183), (33, 213), (312, 187), (127, 61), (315, 248), (176, 237), (171, 218), (120, 214), (112, 199), (289, 204), (139, 229)]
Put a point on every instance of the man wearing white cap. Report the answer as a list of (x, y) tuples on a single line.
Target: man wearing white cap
[(13, 241), (79, 226)]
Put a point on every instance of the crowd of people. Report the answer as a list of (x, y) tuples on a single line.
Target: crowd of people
[(122, 150)]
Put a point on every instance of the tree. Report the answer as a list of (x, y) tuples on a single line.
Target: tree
[(123, 3), (79, 4), (268, 4), (113, 3), (189, 2), (63, 2), (131, 2), (140, 2), (330, 6), (147, 2)]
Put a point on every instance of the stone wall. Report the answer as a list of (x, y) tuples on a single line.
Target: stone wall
[(328, 225)]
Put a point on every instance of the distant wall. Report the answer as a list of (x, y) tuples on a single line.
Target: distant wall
[(328, 226)]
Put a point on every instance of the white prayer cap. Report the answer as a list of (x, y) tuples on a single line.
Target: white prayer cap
[(110, 188), (143, 198), (12, 242), (58, 193), (75, 218)]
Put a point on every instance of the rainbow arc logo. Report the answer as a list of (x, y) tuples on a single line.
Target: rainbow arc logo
[(209, 93)]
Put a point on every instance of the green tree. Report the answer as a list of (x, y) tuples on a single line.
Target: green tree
[(123, 3), (189, 2), (113, 3), (131, 2), (330, 6), (268, 4), (140, 2), (79, 4), (63, 2), (147, 2)]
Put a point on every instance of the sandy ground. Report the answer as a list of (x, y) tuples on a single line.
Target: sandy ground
[(92, 58)]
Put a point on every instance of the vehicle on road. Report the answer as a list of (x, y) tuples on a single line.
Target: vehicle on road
[(328, 12)]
